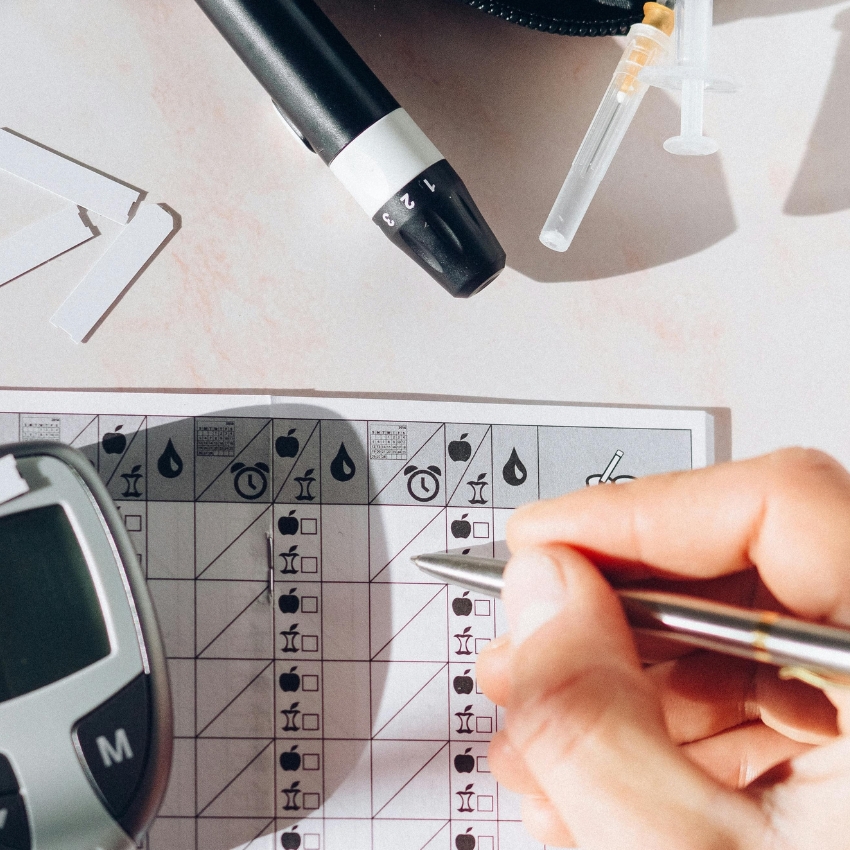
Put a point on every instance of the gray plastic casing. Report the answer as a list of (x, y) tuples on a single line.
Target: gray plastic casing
[(37, 729)]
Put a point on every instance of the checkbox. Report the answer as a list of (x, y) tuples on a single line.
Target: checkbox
[(310, 604), (310, 722), (309, 682), (480, 643), (484, 803), (485, 842), (309, 643), (482, 607), (310, 761), (133, 522), (309, 526), (309, 565), (481, 764), (484, 725), (311, 841), (311, 801), (481, 530)]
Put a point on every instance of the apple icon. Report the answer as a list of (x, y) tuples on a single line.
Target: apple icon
[(114, 443), (290, 760), (463, 684), (465, 763), (287, 446), (289, 604), (460, 450), (288, 524), (465, 841), (461, 527), (290, 681), (290, 841), (462, 606)]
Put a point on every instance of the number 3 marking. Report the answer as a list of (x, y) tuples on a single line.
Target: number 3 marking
[(388, 220)]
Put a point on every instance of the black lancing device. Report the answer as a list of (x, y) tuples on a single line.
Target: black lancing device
[(341, 111)]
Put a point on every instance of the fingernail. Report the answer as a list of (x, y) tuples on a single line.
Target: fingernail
[(497, 643), (534, 593)]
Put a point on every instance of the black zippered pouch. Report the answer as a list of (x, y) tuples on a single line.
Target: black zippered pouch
[(566, 17)]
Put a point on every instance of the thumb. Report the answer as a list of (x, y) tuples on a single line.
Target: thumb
[(589, 723)]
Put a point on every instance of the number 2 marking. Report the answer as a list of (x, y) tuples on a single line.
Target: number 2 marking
[(407, 202)]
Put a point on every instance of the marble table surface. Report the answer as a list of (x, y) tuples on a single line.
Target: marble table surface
[(717, 282)]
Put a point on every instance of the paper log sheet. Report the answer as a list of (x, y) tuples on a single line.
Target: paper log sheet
[(340, 711)]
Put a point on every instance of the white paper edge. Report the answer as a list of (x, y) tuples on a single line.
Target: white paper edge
[(64, 177), (95, 294), (699, 422), (41, 241)]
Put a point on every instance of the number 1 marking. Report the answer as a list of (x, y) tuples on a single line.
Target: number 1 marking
[(431, 186)]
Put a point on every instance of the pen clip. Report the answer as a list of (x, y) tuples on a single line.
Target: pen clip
[(816, 680)]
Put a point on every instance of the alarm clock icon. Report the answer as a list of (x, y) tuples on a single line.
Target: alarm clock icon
[(423, 484)]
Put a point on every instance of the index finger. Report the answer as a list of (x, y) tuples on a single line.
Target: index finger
[(787, 513)]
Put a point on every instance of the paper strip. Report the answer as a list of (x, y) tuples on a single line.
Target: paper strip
[(42, 241), (11, 483), (64, 177), (114, 272)]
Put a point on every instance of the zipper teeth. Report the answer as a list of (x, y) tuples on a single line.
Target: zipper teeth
[(558, 26)]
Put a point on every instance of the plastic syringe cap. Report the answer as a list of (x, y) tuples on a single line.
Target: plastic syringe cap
[(434, 220)]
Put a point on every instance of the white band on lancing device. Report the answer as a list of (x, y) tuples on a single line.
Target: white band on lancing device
[(383, 159)]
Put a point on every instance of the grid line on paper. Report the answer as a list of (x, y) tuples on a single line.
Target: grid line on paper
[(407, 623), (234, 541), (269, 744), (415, 536), (377, 732), (425, 442), (213, 720), (298, 457), (411, 780), (230, 462), (474, 454), (235, 618)]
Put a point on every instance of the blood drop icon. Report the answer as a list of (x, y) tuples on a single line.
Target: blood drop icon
[(170, 464), (514, 471), (342, 466)]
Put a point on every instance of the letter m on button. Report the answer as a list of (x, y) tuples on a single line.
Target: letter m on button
[(117, 753)]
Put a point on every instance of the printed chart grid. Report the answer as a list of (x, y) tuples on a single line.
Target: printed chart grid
[(324, 689)]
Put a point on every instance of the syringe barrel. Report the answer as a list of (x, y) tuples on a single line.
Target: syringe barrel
[(646, 45)]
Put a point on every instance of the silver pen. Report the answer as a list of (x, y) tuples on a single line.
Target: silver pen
[(819, 655)]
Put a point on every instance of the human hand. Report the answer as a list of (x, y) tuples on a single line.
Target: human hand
[(688, 750)]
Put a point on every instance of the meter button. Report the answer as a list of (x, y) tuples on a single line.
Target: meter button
[(8, 783), (14, 827), (114, 742)]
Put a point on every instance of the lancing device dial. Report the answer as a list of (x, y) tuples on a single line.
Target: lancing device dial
[(340, 110), (85, 713)]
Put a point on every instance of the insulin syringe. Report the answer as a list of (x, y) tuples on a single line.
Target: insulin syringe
[(647, 44)]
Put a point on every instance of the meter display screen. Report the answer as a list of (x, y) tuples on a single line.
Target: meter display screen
[(51, 624)]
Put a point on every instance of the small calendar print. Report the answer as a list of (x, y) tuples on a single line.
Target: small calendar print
[(388, 442), (216, 438)]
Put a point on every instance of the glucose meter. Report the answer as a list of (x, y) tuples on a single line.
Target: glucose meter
[(85, 712)]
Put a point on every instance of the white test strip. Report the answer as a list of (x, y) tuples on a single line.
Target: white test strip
[(42, 241), (11, 483), (114, 272), (64, 177)]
